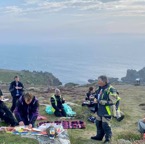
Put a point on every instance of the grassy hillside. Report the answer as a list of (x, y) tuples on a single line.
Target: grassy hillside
[(132, 97), (31, 78)]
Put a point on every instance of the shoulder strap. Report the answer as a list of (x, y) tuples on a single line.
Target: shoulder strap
[(54, 99)]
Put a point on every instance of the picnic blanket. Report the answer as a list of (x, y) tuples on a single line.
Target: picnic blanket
[(40, 134), (67, 124), (63, 138)]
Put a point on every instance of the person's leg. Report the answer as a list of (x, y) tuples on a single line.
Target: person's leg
[(1, 113), (57, 114), (107, 128), (6, 115), (63, 113), (9, 116), (14, 101), (100, 132)]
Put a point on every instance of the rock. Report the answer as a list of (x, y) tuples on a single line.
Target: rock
[(132, 76), (92, 81), (111, 80), (34, 89), (69, 85)]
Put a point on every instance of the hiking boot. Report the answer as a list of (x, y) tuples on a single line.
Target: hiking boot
[(107, 142), (96, 138), (120, 118)]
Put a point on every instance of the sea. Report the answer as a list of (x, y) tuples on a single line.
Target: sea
[(77, 61)]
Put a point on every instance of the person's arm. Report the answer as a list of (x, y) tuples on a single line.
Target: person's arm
[(11, 88), (21, 87), (1, 94), (35, 113), (53, 104), (112, 98), (87, 96), (62, 100)]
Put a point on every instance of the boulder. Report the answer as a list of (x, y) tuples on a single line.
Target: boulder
[(132, 76), (70, 85)]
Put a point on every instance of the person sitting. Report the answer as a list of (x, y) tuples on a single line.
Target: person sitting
[(89, 98), (26, 111), (5, 113), (90, 94), (56, 102)]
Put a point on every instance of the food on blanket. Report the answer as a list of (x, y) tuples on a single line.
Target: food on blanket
[(36, 129), (27, 129), (9, 128)]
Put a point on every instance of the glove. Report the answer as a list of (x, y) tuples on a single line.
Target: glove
[(103, 102)]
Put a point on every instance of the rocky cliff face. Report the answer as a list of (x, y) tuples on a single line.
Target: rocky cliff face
[(132, 75)]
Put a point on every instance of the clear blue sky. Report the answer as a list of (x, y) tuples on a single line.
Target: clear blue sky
[(42, 21)]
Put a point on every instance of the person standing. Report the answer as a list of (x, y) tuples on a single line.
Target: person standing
[(106, 96), (16, 89)]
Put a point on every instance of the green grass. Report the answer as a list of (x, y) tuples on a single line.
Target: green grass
[(30, 78), (126, 129), (14, 139)]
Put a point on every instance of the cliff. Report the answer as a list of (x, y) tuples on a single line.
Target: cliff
[(132, 75), (30, 78)]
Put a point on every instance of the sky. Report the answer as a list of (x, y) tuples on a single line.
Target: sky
[(51, 21)]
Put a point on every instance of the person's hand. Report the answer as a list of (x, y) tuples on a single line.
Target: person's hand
[(1, 97), (95, 100), (21, 123), (30, 126), (91, 96), (16, 87), (60, 110), (19, 87), (103, 102), (143, 120)]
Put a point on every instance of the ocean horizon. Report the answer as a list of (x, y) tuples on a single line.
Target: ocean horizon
[(78, 62)]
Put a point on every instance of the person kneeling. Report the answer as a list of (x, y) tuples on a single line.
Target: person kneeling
[(56, 102), (26, 110)]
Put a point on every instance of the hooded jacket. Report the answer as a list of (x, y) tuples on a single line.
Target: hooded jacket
[(25, 111)]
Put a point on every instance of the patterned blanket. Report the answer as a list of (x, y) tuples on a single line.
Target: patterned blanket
[(67, 124)]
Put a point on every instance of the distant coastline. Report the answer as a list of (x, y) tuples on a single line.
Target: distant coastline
[(29, 78)]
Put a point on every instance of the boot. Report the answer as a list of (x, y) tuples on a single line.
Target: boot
[(100, 131), (120, 118), (108, 132), (96, 138), (107, 141)]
